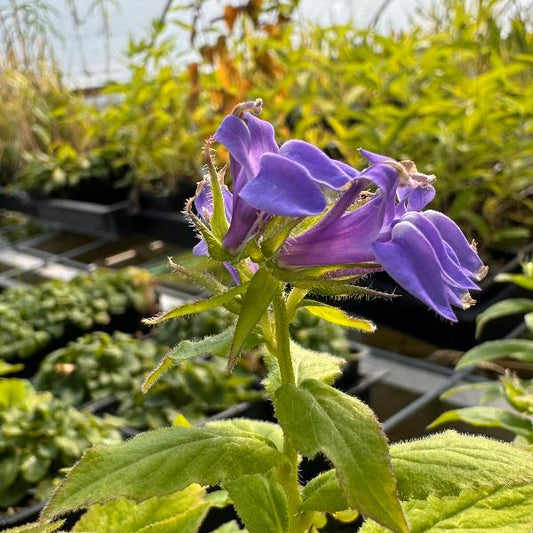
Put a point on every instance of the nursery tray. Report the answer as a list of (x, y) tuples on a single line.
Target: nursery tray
[(108, 221), (19, 201), (169, 226)]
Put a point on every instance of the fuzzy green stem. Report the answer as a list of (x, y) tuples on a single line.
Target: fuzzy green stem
[(288, 473)]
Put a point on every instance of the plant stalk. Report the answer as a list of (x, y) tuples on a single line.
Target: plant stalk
[(288, 473)]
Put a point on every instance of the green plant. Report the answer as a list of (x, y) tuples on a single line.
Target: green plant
[(413, 486), (99, 366), (17, 226), (40, 435), (308, 330), (517, 393), (34, 315)]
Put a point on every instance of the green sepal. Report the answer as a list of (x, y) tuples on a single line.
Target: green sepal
[(318, 418), (258, 296), (520, 349), (199, 306), (340, 290), (336, 316), (163, 461), (219, 222)]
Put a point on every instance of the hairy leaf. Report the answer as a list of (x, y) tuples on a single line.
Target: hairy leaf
[(521, 349), (258, 296), (261, 503), (306, 364), (504, 509), (319, 418), (502, 308), (163, 461), (184, 511), (337, 316), (486, 416), (436, 465), (199, 306), (36, 527)]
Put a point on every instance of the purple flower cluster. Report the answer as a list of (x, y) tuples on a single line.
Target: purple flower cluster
[(364, 221)]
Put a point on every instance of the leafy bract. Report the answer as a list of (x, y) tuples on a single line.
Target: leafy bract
[(319, 418), (502, 308), (261, 503), (521, 349), (163, 461), (260, 292), (182, 511), (306, 364), (487, 416), (199, 306), (337, 316), (504, 509)]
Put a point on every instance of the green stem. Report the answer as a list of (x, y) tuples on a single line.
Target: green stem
[(288, 473)]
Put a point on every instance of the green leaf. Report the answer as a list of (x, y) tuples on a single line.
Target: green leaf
[(8, 368), (528, 319), (337, 316), (339, 290), (319, 418), (485, 416), (436, 465), (229, 527), (269, 430), (198, 306), (261, 503), (522, 280), (163, 461), (218, 345), (521, 349), (261, 290), (36, 527), (490, 389), (306, 364), (503, 308), (504, 509), (183, 511)]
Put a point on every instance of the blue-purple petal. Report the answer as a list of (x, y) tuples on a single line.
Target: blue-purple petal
[(283, 187), (262, 135), (452, 234), (411, 261), (375, 158), (321, 168), (200, 249)]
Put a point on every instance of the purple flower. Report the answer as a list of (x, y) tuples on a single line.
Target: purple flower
[(424, 252), (268, 180)]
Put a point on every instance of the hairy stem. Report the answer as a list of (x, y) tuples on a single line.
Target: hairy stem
[(288, 473)]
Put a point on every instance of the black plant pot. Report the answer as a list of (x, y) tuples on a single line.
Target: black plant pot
[(19, 201), (99, 220)]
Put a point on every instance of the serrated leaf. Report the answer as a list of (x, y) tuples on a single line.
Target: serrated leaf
[(199, 306), (319, 418), (337, 316), (269, 430), (520, 349), (259, 294), (502, 308), (162, 461), (184, 510), (437, 465), (501, 509), (306, 364), (486, 416), (36, 527), (261, 503)]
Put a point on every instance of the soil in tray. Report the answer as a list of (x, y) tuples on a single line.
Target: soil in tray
[(63, 242)]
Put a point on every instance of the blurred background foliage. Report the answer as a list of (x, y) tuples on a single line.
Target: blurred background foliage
[(453, 93)]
